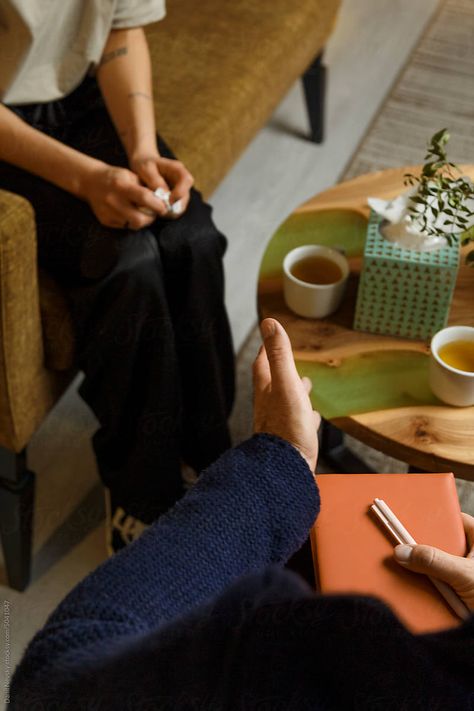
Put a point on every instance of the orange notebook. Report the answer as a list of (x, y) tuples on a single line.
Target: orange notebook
[(352, 553)]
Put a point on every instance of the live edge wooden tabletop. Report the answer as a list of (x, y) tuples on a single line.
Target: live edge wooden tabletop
[(372, 387)]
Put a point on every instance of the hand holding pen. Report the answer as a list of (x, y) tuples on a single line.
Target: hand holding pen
[(442, 568)]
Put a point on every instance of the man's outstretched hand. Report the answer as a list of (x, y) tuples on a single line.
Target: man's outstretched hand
[(281, 398)]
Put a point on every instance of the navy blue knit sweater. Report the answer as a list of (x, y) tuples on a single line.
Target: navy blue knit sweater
[(199, 615)]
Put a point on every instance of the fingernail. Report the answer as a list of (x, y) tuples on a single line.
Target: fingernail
[(268, 328), (403, 553)]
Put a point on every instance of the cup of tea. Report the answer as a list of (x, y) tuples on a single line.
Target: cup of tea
[(452, 365), (314, 280)]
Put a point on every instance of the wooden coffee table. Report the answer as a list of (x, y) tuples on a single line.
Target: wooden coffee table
[(373, 387)]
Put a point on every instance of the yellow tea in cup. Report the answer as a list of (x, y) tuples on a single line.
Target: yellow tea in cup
[(314, 280), (316, 269), (459, 355), (451, 370)]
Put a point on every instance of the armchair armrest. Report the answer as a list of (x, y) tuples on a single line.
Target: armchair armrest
[(27, 389)]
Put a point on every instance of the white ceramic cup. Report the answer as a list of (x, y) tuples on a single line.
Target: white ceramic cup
[(453, 386), (313, 300)]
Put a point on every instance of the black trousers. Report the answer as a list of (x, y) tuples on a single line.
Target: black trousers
[(152, 333)]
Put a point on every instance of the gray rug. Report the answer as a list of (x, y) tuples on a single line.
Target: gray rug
[(435, 90)]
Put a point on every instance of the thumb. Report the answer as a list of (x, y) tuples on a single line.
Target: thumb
[(452, 569), (279, 354)]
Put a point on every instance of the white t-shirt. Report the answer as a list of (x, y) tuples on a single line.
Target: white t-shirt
[(48, 46)]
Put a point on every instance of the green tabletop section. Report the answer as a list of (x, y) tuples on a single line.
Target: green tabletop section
[(371, 381), (364, 382), (340, 229)]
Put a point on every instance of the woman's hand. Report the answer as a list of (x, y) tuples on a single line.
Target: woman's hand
[(458, 572), (171, 175), (116, 196), (281, 401)]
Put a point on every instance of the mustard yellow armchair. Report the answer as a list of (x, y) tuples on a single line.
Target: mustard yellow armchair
[(221, 69), (36, 354)]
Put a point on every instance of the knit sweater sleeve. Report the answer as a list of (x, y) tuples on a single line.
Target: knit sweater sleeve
[(251, 508)]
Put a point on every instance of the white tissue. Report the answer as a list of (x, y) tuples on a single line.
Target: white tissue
[(175, 208), (406, 230), (165, 196)]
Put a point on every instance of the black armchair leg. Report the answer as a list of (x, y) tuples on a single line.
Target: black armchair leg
[(17, 486), (314, 83)]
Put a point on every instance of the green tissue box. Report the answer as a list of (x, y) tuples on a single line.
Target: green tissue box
[(403, 292)]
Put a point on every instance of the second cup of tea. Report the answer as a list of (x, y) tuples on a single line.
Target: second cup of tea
[(314, 280), (451, 373)]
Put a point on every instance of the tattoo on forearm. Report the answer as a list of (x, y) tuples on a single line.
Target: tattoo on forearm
[(120, 51), (139, 94)]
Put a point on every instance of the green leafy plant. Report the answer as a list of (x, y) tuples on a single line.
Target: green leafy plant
[(440, 201)]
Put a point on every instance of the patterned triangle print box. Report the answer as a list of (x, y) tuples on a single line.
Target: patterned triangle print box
[(403, 292)]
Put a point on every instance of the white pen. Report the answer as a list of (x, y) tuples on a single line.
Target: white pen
[(401, 535)]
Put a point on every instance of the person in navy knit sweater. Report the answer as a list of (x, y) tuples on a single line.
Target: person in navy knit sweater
[(199, 614)]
